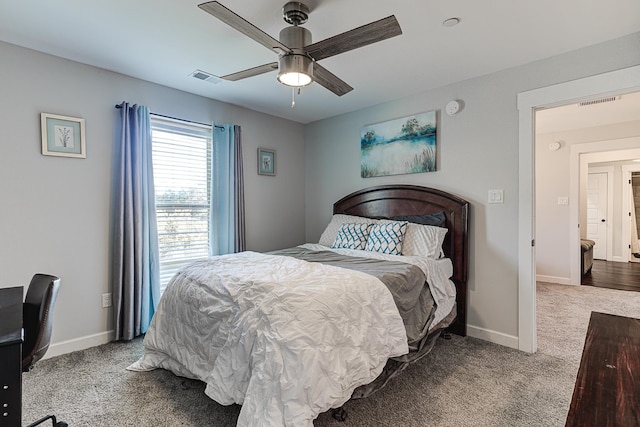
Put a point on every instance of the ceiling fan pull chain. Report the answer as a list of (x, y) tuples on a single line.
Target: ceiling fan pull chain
[(293, 97)]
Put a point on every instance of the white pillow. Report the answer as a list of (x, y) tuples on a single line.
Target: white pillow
[(424, 240), (352, 236), (331, 232), (387, 237)]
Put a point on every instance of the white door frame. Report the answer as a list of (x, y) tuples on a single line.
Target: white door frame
[(581, 155), (607, 84), (626, 226), (609, 171)]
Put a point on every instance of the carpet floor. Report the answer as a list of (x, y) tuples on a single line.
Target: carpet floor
[(462, 382), (563, 315)]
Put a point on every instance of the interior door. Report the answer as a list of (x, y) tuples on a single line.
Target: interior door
[(597, 225)]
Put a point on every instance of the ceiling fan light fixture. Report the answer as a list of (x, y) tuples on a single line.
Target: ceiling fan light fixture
[(295, 70), (298, 64)]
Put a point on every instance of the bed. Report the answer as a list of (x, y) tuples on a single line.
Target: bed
[(293, 333)]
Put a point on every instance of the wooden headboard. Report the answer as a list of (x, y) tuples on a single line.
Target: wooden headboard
[(394, 200)]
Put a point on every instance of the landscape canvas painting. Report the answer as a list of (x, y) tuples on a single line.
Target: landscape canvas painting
[(400, 146)]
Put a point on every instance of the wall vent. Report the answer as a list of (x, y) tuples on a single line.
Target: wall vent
[(599, 101), (204, 76)]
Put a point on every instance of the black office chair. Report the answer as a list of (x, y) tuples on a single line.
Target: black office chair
[(37, 321)]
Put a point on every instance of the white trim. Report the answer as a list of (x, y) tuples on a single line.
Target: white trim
[(553, 279), (609, 171), (492, 336), (606, 84), (82, 343), (526, 228)]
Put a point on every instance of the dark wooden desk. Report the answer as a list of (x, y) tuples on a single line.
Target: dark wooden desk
[(11, 356), (607, 389)]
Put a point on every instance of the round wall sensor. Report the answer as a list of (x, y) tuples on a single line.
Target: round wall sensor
[(452, 108), (554, 146)]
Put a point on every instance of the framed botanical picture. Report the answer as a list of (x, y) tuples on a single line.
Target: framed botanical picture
[(266, 161), (63, 136)]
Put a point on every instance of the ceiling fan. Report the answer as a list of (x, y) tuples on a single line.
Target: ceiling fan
[(298, 56)]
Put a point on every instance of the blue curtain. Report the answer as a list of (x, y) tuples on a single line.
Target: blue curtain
[(227, 231), (135, 270)]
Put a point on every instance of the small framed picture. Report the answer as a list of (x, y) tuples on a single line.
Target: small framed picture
[(266, 161), (63, 136)]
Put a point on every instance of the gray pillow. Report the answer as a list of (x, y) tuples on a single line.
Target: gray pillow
[(437, 219)]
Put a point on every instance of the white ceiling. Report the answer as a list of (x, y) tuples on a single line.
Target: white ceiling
[(623, 108), (164, 41)]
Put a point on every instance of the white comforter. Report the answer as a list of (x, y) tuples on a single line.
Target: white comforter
[(437, 272), (285, 338)]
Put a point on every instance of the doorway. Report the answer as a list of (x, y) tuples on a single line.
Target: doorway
[(634, 217), (630, 215), (607, 84)]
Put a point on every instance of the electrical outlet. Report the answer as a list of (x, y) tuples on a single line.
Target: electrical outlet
[(106, 300)]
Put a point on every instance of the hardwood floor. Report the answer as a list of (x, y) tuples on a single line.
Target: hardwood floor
[(624, 276)]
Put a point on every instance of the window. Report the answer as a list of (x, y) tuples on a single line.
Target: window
[(182, 176)]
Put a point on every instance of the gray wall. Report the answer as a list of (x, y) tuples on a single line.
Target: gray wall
[(55, 211), (477, 152)]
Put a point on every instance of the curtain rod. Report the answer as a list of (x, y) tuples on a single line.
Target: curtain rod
[(118, 106)]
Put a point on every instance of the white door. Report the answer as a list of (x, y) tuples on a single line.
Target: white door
[(597, 213)]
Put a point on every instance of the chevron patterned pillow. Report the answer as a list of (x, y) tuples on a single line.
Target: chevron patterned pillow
[(352, 236), (331, 231), (386, 238)]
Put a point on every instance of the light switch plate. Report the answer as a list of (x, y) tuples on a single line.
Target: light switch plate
[(563, 200), (496, 196)]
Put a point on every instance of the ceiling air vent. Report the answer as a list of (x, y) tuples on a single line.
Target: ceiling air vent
[(599, 101), (207, 77)]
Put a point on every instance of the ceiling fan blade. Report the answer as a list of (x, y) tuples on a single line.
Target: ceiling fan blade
[(245, 27), (327, 79), (358, 37), (261, 69)]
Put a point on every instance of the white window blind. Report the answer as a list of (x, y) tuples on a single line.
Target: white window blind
[(182, 176)]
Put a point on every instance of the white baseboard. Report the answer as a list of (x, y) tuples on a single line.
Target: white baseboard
[(553, 279), (63, 347), (619, 259), (492, 336)]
